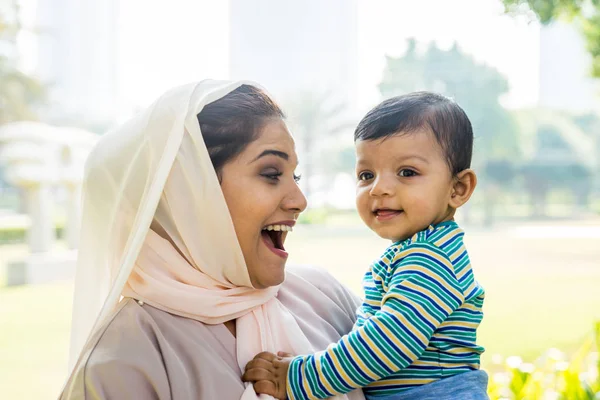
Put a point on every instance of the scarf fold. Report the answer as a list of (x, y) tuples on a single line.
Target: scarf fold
[(164, 279)]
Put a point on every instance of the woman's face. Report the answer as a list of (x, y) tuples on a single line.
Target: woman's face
[(264, 200)]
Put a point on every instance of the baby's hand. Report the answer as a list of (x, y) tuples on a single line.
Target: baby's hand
[(268, 374)]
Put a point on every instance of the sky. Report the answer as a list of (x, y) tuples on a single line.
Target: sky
[(173, 35)]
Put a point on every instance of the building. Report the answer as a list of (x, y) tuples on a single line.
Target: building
[(290, 46), (77, 58)]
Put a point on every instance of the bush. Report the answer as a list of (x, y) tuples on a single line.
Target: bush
[(313, 216), (552, 376), (18, 234)]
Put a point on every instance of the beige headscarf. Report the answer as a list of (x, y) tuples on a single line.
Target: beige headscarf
[(155, 169)]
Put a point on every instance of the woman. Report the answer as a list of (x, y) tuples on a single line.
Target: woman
[(186, 210)]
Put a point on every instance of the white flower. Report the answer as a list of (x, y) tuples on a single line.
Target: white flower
[(514, 361), (555, 354), (501, 378), (551, 394), (497, 359), (561, 366), (527, 368)]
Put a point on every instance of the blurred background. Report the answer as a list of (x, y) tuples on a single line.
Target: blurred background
[(526, 74)]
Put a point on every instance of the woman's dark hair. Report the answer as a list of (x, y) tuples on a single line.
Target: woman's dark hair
[(411, 112), (229, 124)]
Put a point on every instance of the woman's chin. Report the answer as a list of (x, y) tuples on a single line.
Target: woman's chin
[(269, 277)]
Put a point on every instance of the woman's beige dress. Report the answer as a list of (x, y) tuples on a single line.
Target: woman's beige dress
[(145, 353)]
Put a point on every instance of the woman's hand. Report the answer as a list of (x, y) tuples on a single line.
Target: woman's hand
[(268, 373)]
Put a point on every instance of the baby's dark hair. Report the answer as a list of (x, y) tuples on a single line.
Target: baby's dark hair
[(410, 112)]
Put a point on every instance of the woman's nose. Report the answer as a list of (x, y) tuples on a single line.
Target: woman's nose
[(296, 201)]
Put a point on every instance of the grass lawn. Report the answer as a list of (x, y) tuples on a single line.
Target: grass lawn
[(541, 293), (34, 337)]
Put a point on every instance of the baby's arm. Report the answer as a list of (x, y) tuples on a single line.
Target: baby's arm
[(422, 292)]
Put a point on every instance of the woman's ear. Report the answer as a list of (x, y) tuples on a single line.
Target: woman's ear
[(463, 187)]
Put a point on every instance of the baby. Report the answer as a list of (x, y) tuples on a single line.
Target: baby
[(415, 333)]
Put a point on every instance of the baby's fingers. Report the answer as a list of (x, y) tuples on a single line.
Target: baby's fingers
[(257, 374), (265, 355), (265, 387), (259, 363)]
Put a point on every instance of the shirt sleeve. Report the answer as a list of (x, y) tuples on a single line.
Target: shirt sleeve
[(421, 291)]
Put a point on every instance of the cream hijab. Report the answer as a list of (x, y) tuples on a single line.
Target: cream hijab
[(155, 170)]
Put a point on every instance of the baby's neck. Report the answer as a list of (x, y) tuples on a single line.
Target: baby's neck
[(434, 224)]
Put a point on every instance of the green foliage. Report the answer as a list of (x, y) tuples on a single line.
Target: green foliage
[(588, 123), (585, 13), (556, 165), (313, 216), (20, 93), (18, 234), (547, 10), (315, 119), (501, 171), (337, 159), (559, 156), (552, 376), (476, 87)]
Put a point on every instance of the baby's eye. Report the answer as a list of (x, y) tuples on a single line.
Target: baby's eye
[(407, 173), (365, 176)]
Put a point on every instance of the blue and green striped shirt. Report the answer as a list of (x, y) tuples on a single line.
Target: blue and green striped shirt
[(417, 324)]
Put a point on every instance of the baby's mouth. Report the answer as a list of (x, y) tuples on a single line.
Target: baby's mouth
[(386, 213)]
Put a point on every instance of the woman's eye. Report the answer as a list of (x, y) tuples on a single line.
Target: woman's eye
[(365, 176), (407, 173), (272, 175), (275, 175)]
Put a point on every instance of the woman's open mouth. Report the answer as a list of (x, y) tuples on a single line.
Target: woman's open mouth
[(274, 236)]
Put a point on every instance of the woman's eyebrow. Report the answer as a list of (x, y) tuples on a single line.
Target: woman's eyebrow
[(276, 153)]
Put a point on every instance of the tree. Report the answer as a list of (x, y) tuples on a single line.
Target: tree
[(476, 87), (584, 12), (315, 118), (19, 92), (343, 160), (556, 165)]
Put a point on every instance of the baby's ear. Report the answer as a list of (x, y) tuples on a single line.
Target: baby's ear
[(463, 187)]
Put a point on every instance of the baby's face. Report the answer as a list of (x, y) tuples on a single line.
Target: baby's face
[(404, 184)]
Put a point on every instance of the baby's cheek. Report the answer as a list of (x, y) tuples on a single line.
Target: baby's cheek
[(421, 203), (363, 209)]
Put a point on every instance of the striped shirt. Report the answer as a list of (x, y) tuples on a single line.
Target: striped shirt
[(417, 324)]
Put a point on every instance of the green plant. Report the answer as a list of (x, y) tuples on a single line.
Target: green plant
[(552, 376), (313, 216), (18, 234)]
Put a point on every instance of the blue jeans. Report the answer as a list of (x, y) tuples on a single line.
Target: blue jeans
[(466, 386)]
